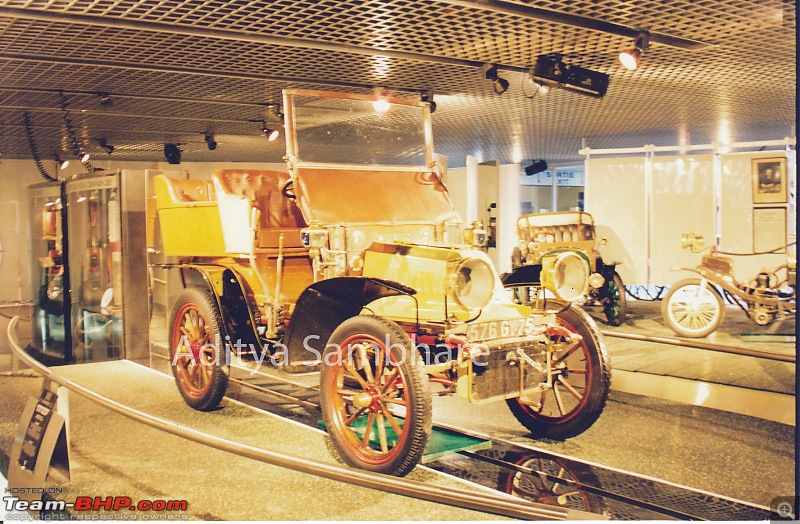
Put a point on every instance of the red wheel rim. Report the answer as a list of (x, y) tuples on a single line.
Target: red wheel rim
[(193, 356), (367, 382), (567, 398)]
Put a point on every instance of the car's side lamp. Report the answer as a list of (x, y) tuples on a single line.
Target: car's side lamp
[(475, 235), (692, 241), (314, 237)]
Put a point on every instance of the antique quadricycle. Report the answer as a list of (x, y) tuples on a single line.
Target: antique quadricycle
[(694, 307), (357, 266), (569, 237)]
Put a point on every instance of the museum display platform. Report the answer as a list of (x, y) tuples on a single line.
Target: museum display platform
[(648, 456)]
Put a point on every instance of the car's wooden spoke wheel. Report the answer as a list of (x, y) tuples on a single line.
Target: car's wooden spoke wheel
[(375, 398), (581, 381), (198, 369)]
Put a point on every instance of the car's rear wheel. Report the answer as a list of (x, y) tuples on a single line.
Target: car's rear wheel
[(196, 363), (375, 396), (581, 381)]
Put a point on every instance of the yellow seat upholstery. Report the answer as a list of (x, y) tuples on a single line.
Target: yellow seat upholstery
[(188, 217)]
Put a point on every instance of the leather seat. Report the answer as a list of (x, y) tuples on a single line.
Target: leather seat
[(262, 189)]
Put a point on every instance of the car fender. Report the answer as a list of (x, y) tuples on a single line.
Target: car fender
[(322, 307), (231, 296)]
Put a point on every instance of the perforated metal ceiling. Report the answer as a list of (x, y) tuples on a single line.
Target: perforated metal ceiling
[(177, 69)]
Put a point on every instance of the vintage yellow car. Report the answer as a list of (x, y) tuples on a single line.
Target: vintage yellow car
[(359, 268)]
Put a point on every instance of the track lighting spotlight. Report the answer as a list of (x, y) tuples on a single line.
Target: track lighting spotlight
[(104, 145), (271, 134), (630, 57), (536, 167), (62, 164), (85, 158), (172, 153), (210, 142), (105, 100), (427, 96), (381, 105), (500, 85)]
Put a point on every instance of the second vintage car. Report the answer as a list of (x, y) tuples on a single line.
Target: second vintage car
[(359, 268), (546, 237)]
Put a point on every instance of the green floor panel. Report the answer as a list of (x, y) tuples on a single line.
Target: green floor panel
[(442, 442)]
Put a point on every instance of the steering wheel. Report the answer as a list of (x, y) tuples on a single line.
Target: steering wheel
[(287, 189)]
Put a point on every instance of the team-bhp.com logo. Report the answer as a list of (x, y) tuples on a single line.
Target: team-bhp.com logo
[(87, 508)]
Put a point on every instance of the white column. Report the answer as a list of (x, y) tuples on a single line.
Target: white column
[(472, 213), (507, 214)]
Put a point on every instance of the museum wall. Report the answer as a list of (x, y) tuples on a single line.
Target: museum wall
[(643, 205)]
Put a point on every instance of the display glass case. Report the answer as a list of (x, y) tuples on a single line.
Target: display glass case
[(95, 262), (51, 326)]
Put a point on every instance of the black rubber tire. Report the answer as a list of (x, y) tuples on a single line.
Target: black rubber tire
[(405, 454), (615, 311), (671, 309), (590, 357), (210, 383)]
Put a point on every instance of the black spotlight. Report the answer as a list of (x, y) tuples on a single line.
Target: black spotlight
[(537, 167), (105, 100), (500, 85), (212, 145), (172, 154), (103, 143), (427, 96)]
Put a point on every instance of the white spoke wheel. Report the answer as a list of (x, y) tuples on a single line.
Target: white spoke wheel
[(692, 309), (375, 396), (198, 367), (581, 381)]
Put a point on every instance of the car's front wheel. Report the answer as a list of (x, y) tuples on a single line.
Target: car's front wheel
[(375, 396), (581, 381)]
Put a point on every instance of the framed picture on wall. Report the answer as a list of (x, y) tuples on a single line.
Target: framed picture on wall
[(769, 180)]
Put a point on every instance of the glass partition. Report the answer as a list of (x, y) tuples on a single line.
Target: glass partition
[(95, 262), (50, 323)]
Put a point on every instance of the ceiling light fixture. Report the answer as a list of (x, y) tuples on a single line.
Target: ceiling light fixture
[(500, 85), (105, 100), (381, 105), (271, 134), (104, 144), (62, 164), (210, 142), (536, 167), (85, 158), (427, 97), (172, 153), (630, 57)]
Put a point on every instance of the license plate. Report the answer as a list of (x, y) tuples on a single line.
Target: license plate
[(511, 328)]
